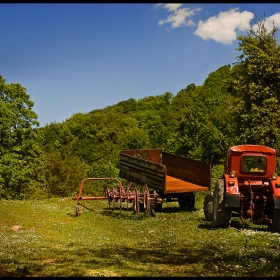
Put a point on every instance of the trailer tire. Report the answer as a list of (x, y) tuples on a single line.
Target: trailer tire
[(187, 202), (208, 206), (157, 207), (275, 227), (221, 214)]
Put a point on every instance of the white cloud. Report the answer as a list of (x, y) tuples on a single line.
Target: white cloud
[(223, 27), (276, 18), (171, 7), (178, 16)]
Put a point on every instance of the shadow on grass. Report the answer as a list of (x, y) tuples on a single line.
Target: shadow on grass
[(237, 224), (125, 213), (153, 259)]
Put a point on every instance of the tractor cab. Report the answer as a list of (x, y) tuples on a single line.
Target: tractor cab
[(253, 162)]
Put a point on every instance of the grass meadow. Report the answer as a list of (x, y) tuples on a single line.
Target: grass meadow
[(45, 238)]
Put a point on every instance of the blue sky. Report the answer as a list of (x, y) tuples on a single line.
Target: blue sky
[(75, 58)]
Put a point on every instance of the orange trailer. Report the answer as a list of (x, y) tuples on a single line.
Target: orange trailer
[(172, 177)]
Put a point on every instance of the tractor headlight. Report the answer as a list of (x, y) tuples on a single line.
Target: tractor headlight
[(274, 176), (232, 173)]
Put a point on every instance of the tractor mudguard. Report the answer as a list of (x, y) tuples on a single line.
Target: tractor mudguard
[(276, 201), (232, 200)]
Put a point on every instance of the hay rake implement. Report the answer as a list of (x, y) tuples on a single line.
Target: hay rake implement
[(124, 193)]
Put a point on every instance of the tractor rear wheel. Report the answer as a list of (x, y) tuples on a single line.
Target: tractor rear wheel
[(275, 227), (208, 206), (221, 214)]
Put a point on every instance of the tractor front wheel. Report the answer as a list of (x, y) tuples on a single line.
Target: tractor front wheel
[(275, 227), (208, 207)]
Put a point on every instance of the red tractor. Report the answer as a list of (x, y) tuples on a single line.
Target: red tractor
[(249, 188)]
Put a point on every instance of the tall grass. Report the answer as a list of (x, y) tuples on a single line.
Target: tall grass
[(46, 238)]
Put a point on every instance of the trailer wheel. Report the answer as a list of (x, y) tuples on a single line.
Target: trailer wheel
[(221, 214), (157, 207), (208, 206), (187, 202), (275, 227)]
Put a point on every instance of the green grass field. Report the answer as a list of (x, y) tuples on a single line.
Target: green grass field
[(46, 238)]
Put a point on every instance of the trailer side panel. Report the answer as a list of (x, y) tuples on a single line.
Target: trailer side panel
[(141, 171)]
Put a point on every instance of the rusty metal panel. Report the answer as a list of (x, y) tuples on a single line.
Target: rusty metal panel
[(188, 170), (141, 171)]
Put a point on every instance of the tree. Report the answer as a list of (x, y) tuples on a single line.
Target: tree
[(64, 172), (256, 84), (21, 161)]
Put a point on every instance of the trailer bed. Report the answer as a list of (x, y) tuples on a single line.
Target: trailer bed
[(174, 185)]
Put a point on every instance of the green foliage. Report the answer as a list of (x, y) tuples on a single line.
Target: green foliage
[(217, 172), (64, 173), (21, 161), (256, 84)]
